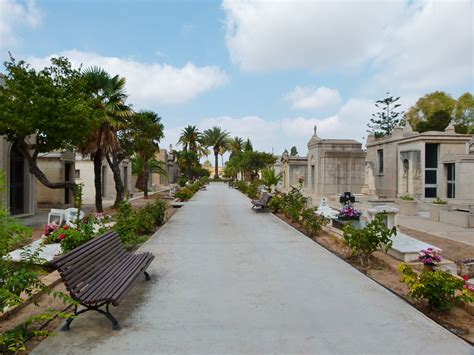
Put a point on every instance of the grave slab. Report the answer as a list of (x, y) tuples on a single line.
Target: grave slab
[(47, 252), (406, 248)]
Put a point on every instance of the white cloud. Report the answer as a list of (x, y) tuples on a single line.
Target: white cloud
[(308, 97), (405, 45), (266, 134), (266, 35), (150, 83), (14, 15)]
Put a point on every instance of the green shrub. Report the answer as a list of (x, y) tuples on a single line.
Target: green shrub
[(439, 201), (311, 222), (182, 181), (276, 203), (241, 185), (293, 204), (363, 242), (134, 226), (407, 198), (253, 189), (440, 288), (184, 194)]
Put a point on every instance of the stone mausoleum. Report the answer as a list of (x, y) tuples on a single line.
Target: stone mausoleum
[(425, 165), (332, 166)]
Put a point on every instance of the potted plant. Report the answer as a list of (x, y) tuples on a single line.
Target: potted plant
[(430, 258), (436, 206), (408, 205)]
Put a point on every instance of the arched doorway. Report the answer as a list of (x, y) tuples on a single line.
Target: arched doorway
[(17, 182)]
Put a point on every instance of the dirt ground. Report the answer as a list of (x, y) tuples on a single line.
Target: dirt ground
[(384, 270)]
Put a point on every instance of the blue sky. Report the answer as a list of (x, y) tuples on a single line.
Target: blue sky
[(264, 70)]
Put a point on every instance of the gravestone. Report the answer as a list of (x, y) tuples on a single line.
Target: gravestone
[(347, 197), (404, 247), (325, 210)]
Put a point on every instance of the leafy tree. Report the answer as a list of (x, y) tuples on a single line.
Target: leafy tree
[(464, 113), (215, 138), (190, 138), (146, 131), (293, 151), (188, 162), (429, 109), (44, 111), (386, 119), (108, 95), (249, 161)]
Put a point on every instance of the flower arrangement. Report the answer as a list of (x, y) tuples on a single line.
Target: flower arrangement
[(349, 212), (57, 234), (429, 257), (50, 228), (467, 285)]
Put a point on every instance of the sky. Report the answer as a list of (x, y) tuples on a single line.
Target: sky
[(264, 70)]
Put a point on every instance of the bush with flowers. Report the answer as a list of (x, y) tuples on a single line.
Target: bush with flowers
[(440, 288), (349, 212), (430, 257)]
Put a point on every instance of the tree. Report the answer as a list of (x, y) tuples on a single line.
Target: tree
[(248, 147), (188, 162), (235, 145), (293, 151), (428, 109), (146, 131), (215, 138), (464, 113), (270, 178), (44, 111), (153, 166), (249, 161), (386, 119), (108, 95), (190, 138)]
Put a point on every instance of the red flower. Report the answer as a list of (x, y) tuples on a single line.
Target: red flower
[(62, 236), (66, 228), (465, 277)]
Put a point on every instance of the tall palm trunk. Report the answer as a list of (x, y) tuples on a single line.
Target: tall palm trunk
[(216, 163), (145, 176), (98, 180), (114, 165)]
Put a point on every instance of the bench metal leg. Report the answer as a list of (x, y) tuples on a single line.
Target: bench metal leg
[(147, 276), (115, 323)]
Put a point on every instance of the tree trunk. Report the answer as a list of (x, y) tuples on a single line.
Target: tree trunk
[(114, 165), (216, 165), (145, 176), (98, 180), (36, 171)]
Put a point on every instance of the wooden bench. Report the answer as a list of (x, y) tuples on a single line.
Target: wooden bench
[(99, 273), (262, 203)]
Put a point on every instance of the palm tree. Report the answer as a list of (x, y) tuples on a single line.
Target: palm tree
[(109, 97), (190, 138), (270, 178), (215, 138), (138, 168), (235, 145)]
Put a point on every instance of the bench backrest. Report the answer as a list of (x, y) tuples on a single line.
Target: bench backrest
[(87, 261), (265, 198)]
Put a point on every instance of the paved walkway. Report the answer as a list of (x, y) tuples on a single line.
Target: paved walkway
[(229, 280)]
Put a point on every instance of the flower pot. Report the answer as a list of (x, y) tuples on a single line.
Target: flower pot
[(434, 210), (408, 208)]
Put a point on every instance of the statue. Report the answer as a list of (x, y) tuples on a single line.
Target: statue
[(315, 130)]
